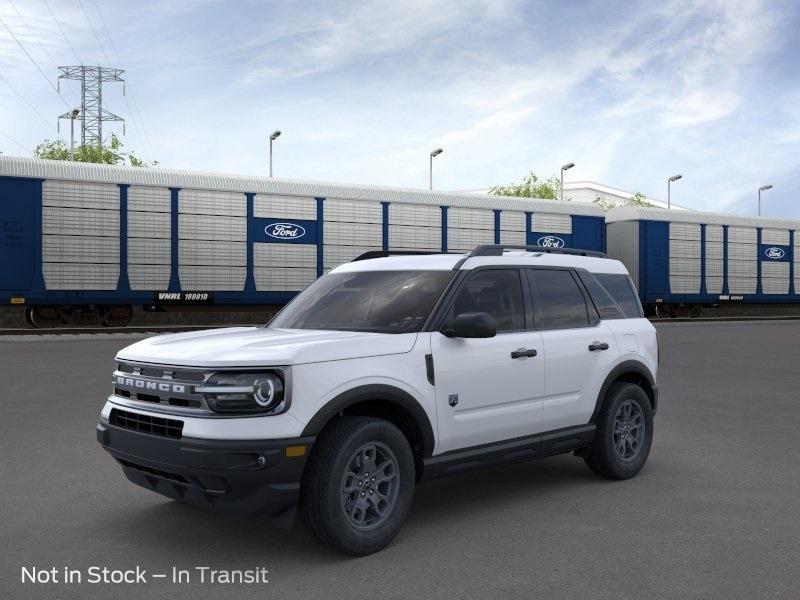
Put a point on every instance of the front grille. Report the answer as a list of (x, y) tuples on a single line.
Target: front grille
[(167, 386), (150, 471), (170, 428)]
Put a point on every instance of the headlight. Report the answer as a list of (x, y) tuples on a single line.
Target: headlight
[(243, 392)]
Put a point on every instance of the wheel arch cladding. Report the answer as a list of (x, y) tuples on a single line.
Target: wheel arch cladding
[(385, 402), (629, 371)]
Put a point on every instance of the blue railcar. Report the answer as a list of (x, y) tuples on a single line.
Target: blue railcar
[(683, 260), (96, 240)]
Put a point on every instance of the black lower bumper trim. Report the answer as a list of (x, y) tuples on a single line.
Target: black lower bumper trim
[(243, 477)]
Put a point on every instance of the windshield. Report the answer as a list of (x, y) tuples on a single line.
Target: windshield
[(374, 301)]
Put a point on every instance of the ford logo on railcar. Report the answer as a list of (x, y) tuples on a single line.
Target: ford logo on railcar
[(775, 253), (285, 231), (550, 241)]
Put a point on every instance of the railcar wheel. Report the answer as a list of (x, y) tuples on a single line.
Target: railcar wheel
[(44, 316), (695, 310), (118, 316)]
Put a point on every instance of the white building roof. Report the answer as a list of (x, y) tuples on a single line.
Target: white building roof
[(157, 176), (636, 213)]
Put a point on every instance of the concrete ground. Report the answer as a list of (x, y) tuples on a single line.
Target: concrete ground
[(714, 514)]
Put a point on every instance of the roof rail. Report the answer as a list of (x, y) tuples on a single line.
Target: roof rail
[(498, 249), (387, 253)]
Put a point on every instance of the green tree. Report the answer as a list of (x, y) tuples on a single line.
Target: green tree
[(112, 153), (606, 203), (531, 187)]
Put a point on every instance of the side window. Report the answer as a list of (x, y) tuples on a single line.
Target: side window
[(621, 289), (558, 301), (606, 306), (497, 292)]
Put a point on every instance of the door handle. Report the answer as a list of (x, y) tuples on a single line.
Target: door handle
[(598, 346), (522, 352)]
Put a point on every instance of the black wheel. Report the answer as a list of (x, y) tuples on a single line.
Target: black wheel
[(117, 316), (358, 485), (44, 316), (624, 433)]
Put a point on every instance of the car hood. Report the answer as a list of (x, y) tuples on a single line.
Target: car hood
[(260, 346)]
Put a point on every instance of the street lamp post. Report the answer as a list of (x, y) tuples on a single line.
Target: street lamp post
[(763, 188), (565, 167), (436, 152), (272, 138), (73, 114), (669, 189)]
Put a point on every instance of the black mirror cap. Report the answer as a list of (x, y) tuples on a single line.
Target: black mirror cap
[(473, 325)]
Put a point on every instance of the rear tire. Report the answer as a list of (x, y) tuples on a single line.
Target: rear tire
[(624, 433), (342, 503)]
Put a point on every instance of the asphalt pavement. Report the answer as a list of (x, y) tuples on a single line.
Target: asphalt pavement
[(714, 514)]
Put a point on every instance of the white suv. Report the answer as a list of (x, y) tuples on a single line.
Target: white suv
[(387, 371)]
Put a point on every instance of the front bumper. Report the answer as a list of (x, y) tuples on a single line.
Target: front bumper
[(246, 477)]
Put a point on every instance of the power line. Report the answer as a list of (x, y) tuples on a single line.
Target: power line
[(96, 37), (35, 64), (25, 100), (61, 29), (15, 141), (33, 35), (146, 138)]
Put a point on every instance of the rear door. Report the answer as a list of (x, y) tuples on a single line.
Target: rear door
[(579, 347), (489, 389), (17, 198)]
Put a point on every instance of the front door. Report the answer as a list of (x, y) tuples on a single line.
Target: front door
[(17, 243), (489, 389)]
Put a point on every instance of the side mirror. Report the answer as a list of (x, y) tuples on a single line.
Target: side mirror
[(472, 325)]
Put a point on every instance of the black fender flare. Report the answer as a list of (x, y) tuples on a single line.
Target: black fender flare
[(365, 393), (623, 368)]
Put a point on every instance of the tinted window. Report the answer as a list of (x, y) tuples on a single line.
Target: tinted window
[(497, 292), (374, 301), (558, 301), (607, 307), (621, 289)]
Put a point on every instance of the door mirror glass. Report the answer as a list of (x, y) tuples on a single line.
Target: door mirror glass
[(472, 325)]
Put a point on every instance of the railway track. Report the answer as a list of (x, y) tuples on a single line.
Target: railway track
[(145, 329)]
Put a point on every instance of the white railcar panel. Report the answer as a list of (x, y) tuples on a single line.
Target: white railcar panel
[(149, 199), (285, 207), (285, 255), (209, 227), (148, 277), (78, 221), (353, 234), (415, 214), (684, 231), (470, 218), (519, 238), (80, 194), (743, 252), (80, 276), (684, 249), (715, 250), (149, 225), (775, 277), (206, 278), (684, 284), (512, 220), (467, 239), (204, 252), (775, 236), (415, 237), (715, 233), (741, 285), (551, 223), (283, 279), (352, 211), (742, 235), (77, 249), (208, 202), (143, 251)]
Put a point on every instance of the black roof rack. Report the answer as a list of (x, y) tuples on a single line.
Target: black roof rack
[(498, 249), (387, 253)]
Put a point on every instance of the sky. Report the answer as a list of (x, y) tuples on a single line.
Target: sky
[(632, 92)]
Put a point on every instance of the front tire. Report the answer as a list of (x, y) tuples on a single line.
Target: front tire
[(358, 485), (624, 433)]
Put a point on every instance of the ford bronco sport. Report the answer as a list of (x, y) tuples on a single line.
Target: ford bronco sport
[(385, 372)]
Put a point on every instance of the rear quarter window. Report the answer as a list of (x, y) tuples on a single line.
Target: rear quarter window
[(613, 294)]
